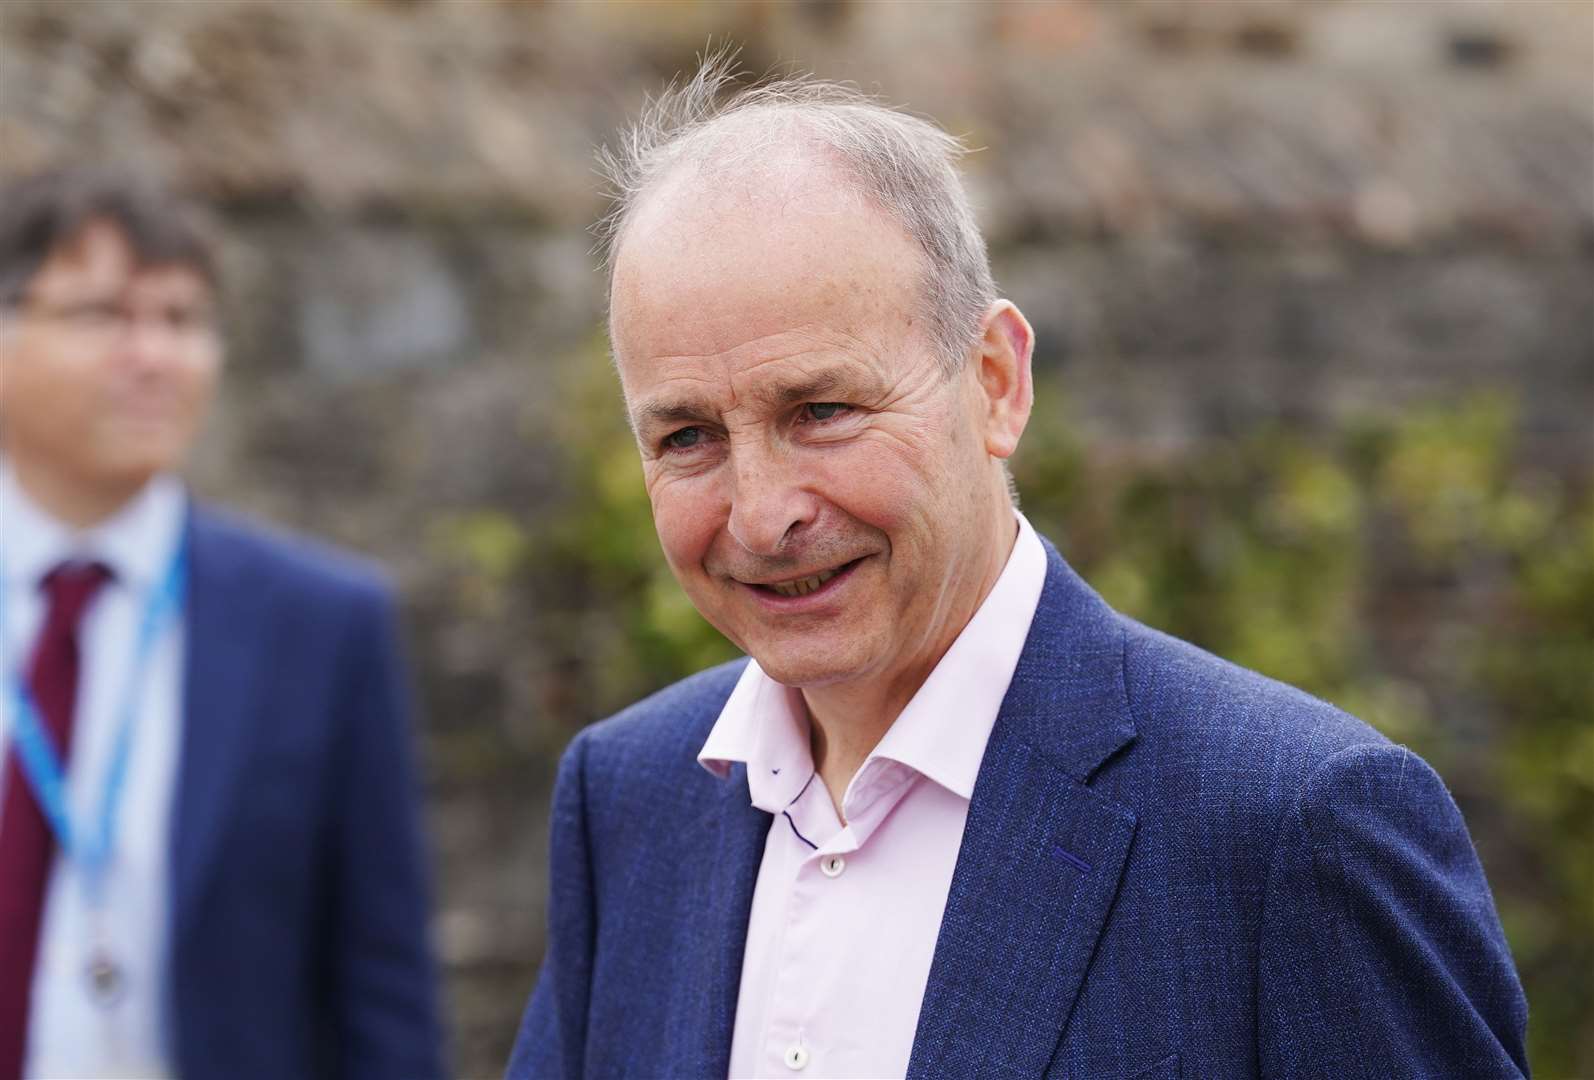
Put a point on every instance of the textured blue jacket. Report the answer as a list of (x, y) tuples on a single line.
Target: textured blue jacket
[(1255, 884)]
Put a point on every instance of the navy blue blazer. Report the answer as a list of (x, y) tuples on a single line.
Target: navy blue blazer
[(299, 899), (1171, 867)]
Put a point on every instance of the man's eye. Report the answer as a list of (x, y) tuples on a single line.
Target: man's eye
[(93, 315), (825, 410), (684, 439), (188, 319)]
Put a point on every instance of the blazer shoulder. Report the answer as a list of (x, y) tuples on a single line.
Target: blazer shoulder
[(270, 556), (676, 717), (1222, 760), (1205, 716), (648, 751)]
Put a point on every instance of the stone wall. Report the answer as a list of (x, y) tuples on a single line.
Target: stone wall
[(1217, 215)]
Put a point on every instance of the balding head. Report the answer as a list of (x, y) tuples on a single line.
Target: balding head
[(694, 144), (721, 263)]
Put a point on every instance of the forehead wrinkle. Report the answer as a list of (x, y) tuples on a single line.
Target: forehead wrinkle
[(684, 249), (800, 388), (735, 362), (670, 401), (824, 363), (821, 360)]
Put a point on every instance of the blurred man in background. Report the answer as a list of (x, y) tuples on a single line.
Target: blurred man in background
[(956, 816), (210, 858)]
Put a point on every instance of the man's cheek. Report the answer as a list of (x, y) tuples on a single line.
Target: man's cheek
[(201, 383), (683, 535), (874, 496)]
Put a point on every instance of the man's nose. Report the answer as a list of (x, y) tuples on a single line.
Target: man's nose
[(768, 503), (147, 344)]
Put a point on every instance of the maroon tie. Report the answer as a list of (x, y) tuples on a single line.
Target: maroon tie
[(27, 846)]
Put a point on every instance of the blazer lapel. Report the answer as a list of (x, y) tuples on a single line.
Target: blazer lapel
[(1042, 852), (227, 650)]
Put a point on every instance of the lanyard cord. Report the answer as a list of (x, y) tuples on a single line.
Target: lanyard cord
[(41, 763)]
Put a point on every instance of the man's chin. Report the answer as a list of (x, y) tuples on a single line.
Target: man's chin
[(137, 470), (143, 453), (125, 475), (805, 672), (823, 656)]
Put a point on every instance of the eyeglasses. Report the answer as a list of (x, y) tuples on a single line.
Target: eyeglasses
[(108, 318)]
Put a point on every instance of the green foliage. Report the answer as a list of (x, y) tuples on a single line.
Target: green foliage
[(1405, 569), (490, 546), (1540, 669)]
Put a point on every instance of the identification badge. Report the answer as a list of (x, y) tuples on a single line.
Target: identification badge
[(107, 982)]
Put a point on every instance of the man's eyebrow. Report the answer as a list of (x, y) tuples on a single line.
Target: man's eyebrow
[(817, 387), (662, 413)]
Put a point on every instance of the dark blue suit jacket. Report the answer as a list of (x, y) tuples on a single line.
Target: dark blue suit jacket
[(299, 896), (1171, 867)]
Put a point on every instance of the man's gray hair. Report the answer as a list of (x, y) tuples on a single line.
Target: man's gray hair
[(905, 165)]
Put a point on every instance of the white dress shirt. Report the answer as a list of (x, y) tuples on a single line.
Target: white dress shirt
[(846, 913), (69, 1034)]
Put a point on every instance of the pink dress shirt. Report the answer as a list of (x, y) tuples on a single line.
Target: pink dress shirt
[(845, 916)]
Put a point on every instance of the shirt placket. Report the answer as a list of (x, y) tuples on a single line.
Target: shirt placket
[(794, 1040)]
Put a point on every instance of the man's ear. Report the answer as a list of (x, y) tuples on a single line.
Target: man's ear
[(1002, 365), (8, 332)]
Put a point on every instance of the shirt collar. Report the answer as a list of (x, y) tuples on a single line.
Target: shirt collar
[(135, 543), (941, 733), (763, 725)]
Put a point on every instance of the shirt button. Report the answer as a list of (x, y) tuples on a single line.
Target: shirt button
[(796, 1057), (832, 865)]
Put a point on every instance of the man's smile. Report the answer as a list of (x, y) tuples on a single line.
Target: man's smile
[(802, 587)]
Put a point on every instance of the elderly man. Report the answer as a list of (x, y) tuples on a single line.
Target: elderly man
[(210, 863), (955, 817)]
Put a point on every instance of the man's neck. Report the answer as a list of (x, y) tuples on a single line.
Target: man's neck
[(844, 728), (74, 504), (847, 721)]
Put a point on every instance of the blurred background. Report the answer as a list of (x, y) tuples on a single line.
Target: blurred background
[(1313, 284)]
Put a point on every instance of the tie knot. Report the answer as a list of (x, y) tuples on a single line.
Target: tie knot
[(70, 587)]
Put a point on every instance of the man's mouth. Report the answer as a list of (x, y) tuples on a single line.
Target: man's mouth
[(795, 587), (803, 586)]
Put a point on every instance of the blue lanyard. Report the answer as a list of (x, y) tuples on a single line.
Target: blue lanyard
[(91, 850)]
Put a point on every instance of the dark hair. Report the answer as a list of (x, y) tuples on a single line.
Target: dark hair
[(42, 213)]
